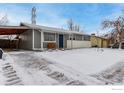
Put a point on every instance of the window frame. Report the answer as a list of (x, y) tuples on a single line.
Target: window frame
[(50, 40)]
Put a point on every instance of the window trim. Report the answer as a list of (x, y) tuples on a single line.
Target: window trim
[(52, 40), (49, 41)]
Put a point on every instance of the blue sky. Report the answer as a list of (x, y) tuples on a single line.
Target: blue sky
[(88, 16)]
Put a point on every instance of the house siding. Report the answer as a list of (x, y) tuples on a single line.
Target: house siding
[(102, 43), (37, 39), (26, 40), (78, 44), (66, 37), (57, 40)]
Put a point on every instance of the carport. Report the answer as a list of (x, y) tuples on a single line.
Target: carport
[(11, 30)]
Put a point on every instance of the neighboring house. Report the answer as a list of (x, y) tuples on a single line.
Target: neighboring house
[(42, 37), (99, 42)]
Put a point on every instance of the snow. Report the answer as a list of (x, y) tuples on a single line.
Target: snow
[(112, 75), (29, 75), (2, 79), (86, 66), (86, 61)]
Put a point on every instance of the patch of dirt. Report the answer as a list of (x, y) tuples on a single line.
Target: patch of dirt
[(113, 75), (58, 76)]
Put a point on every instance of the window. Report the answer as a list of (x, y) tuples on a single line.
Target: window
[(77, 37), (86, 37), (49, 36)]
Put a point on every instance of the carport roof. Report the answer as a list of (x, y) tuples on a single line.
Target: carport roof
[(12, 30)]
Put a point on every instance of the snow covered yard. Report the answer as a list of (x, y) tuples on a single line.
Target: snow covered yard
[(86, 61), (107, 65), (69, 67)]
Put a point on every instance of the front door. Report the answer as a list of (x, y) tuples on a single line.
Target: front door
[(60, 41)]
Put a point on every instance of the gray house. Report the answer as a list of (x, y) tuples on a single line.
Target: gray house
[(42, 37)]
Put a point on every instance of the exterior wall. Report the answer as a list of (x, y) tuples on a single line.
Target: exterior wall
[(37, 39), (99, 42), (105, 43), (78, 44), (66, 37), (57, 40), (26, 40), (96, 41), (42, 40), (45, 43)]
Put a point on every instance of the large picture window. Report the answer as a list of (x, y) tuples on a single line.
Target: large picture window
[(49, 36)]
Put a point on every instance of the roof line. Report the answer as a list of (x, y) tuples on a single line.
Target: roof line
[(33, 26), (14, 27)]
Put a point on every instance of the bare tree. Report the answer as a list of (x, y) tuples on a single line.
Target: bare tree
[(70, 24), (77, 28), (117, 25), (4, 20)]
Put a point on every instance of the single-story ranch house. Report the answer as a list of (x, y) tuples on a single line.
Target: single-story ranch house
[(42, 37), (36, 37)]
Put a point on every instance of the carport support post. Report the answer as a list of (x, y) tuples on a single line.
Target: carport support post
[(33, 39), (42, 39)]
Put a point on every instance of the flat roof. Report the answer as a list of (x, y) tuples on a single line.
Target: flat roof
[(12, 30), (50, 29)]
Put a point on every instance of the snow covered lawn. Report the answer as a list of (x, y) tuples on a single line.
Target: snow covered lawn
[(86, 61), (69, 67), (90, 62)]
